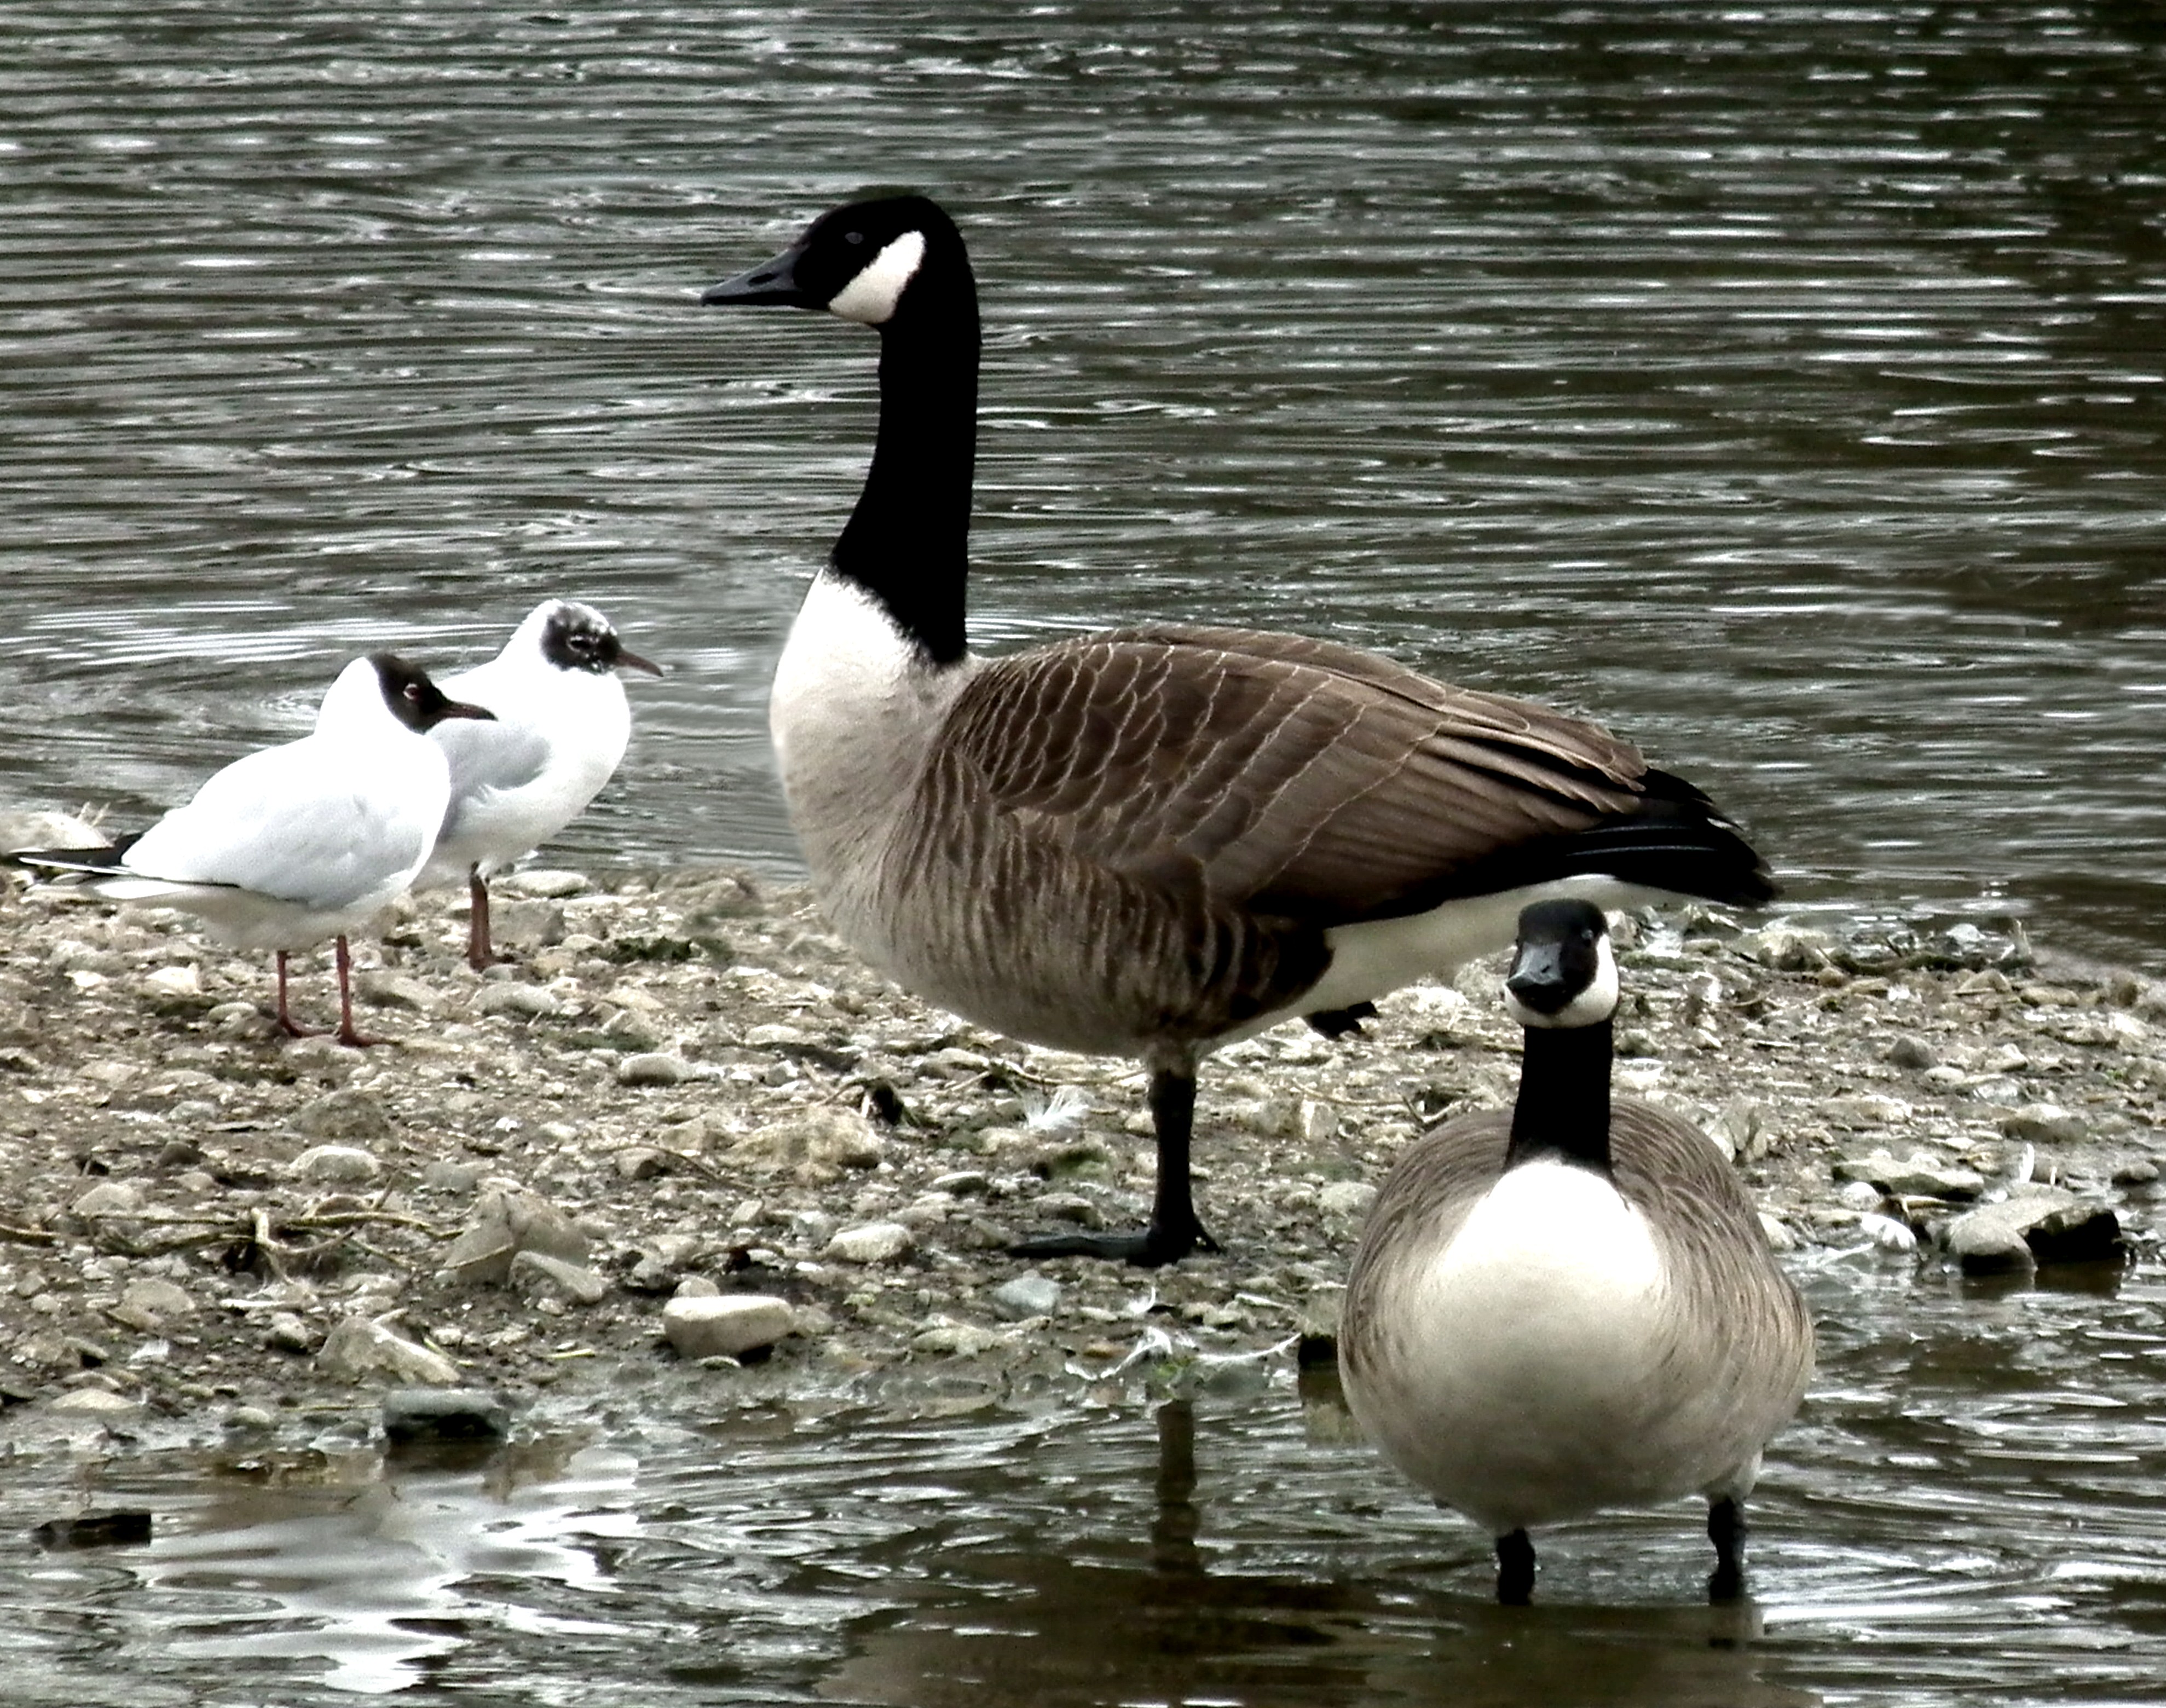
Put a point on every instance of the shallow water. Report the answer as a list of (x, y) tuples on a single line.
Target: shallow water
[(1968, 1508), (1782, 385)]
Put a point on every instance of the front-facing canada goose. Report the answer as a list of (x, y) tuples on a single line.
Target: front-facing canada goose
[(1571, 1304), (1150, 842)]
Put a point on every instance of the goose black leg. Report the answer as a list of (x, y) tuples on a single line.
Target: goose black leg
[(480, 953), (1515, 1569), (1725, 1529), (1173, 1231)]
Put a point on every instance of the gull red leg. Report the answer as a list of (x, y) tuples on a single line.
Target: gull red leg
[(287, 1023), (479, 952), (346, 1032)]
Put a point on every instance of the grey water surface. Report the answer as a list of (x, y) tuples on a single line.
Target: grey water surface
[(1969, 1509), (1780, 384)]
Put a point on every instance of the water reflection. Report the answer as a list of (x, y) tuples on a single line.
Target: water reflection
[(1969, 1504), (1780, 384)]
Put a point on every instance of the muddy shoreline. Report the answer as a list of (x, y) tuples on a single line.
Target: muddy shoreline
[(685, 1087)]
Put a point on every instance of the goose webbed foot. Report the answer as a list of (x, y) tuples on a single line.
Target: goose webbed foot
[(1341, 1022), (1152, 1247), (1725, 1529), (1515, 1569)]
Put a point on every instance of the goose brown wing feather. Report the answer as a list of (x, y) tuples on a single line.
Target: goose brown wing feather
[(1273, 772)]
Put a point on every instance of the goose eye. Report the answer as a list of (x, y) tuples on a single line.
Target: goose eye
[(854, 237)]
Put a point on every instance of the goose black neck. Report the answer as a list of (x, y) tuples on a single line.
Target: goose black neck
[(907, 542), (1563, 1107)]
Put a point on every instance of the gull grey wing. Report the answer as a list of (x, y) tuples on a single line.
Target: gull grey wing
[(489, 759)]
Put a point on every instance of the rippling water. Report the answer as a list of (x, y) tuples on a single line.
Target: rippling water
[(1968, 1509), (1780, 384)]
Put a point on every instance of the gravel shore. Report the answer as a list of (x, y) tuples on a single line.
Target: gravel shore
[(687, 1142)]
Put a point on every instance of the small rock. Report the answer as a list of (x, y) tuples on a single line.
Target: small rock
[(819, 1144), (445, 1176), (2039, 1224), (336, 1165), (527, 925), (507, 1221), (654, 1265), (521, 1001), (110, 1197), (348, 1113), (1780, 1235), (1918, 1176), (1887, 1233), (101, 1530), (445, 1414), (555, 885), (285, 1332), (389, 989), (173, 981), (95, 1402), (724, 1325), (1029, 1294), (654, 1068), (1911, 1052), (358, 1349), (947, 1338), (2044, 1124), (696, 1287), (1854, 1113), (638, 1162), (535, 1275), (1346, 1197), (152, 1302), (870, 1242)]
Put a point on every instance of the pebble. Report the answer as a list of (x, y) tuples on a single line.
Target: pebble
[(284, 1331), (2035, 1225), (108, 1198), (414, 1414), (869, 1243), (1347, 1198), (817, 1145), (152, 1302), (336, 1164), (358, 1349), (553, 885), (724, 1325), (349, 1114), (654, 1068), (537, 1275), (1029, 1294), (2044, 1124), (525, 1001), (506, 1222), (390, 990), (1918, 1176), (95, 1401)]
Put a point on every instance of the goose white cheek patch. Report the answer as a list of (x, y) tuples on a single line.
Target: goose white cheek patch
[(870, 298)]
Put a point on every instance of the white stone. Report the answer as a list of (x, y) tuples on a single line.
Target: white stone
[(870, 1242), (336, 1164), (724, 1325)]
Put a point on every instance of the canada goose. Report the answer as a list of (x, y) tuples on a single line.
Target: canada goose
[(561, 727), (1154, 841), (1573, 1304), (294, 843)]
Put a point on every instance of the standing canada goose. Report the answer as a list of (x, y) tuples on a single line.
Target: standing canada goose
[(292, 844), (561, 727), (1573, 1304), (1154, 841)]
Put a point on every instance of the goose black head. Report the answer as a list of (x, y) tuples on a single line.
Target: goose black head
[(578, 638), (1563, 973), (414, 700), (869, 262)]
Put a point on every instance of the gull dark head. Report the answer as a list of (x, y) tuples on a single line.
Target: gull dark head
[(1564, 972), (877, 261), (577, 636), (414, 700)]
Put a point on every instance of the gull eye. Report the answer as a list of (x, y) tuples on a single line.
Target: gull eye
[(412, 691), (854, 237)]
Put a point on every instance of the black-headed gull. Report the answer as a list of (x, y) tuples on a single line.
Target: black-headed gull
[(300, 842), (561, 724)]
